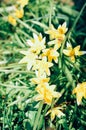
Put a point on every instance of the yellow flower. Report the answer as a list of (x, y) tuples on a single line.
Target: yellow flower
[(56, 111), (22, 3), (72, 52), (52, 54), (46, 93), (42, 66), (29, 58), (80, 92), (12, 20), (40, 79), (58, 33), (37, 44), (19, 13), (14, 15), (52, 32), (62, 28), (57, 43)]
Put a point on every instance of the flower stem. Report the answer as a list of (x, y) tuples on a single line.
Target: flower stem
[(38, 115), (78, 17), (69, 76), (26, 26), (51, 10)]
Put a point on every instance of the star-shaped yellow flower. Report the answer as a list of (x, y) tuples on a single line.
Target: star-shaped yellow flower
[(80, 92), (40, 79), (42, 66), (56, 111), (57, 43), (19, 13), (29, 58), (46, 93), (52, 54), (37, 44), (62, 29), (58, 33), (72, 52)]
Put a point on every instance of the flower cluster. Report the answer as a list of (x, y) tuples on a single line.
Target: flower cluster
[(57, 35), (18, 11), (40, 57)]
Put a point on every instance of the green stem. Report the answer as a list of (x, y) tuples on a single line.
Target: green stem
[(51, 10), (69, 76), (78, 17), (18, 40), (38, 115), (27, 26), (46, 108), (22, 32), (4, 117)]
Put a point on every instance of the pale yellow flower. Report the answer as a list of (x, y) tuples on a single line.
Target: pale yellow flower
[(58, 33), (46, 93), (72, 52), (40, 79), (12, 20), (62, 29), (22, 3), (52, 32), (52, 54), (80, 92), (19, 13), (56, 111), (16, 14), (29, 58), (37, 44), (42, 66), (57, 43)]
